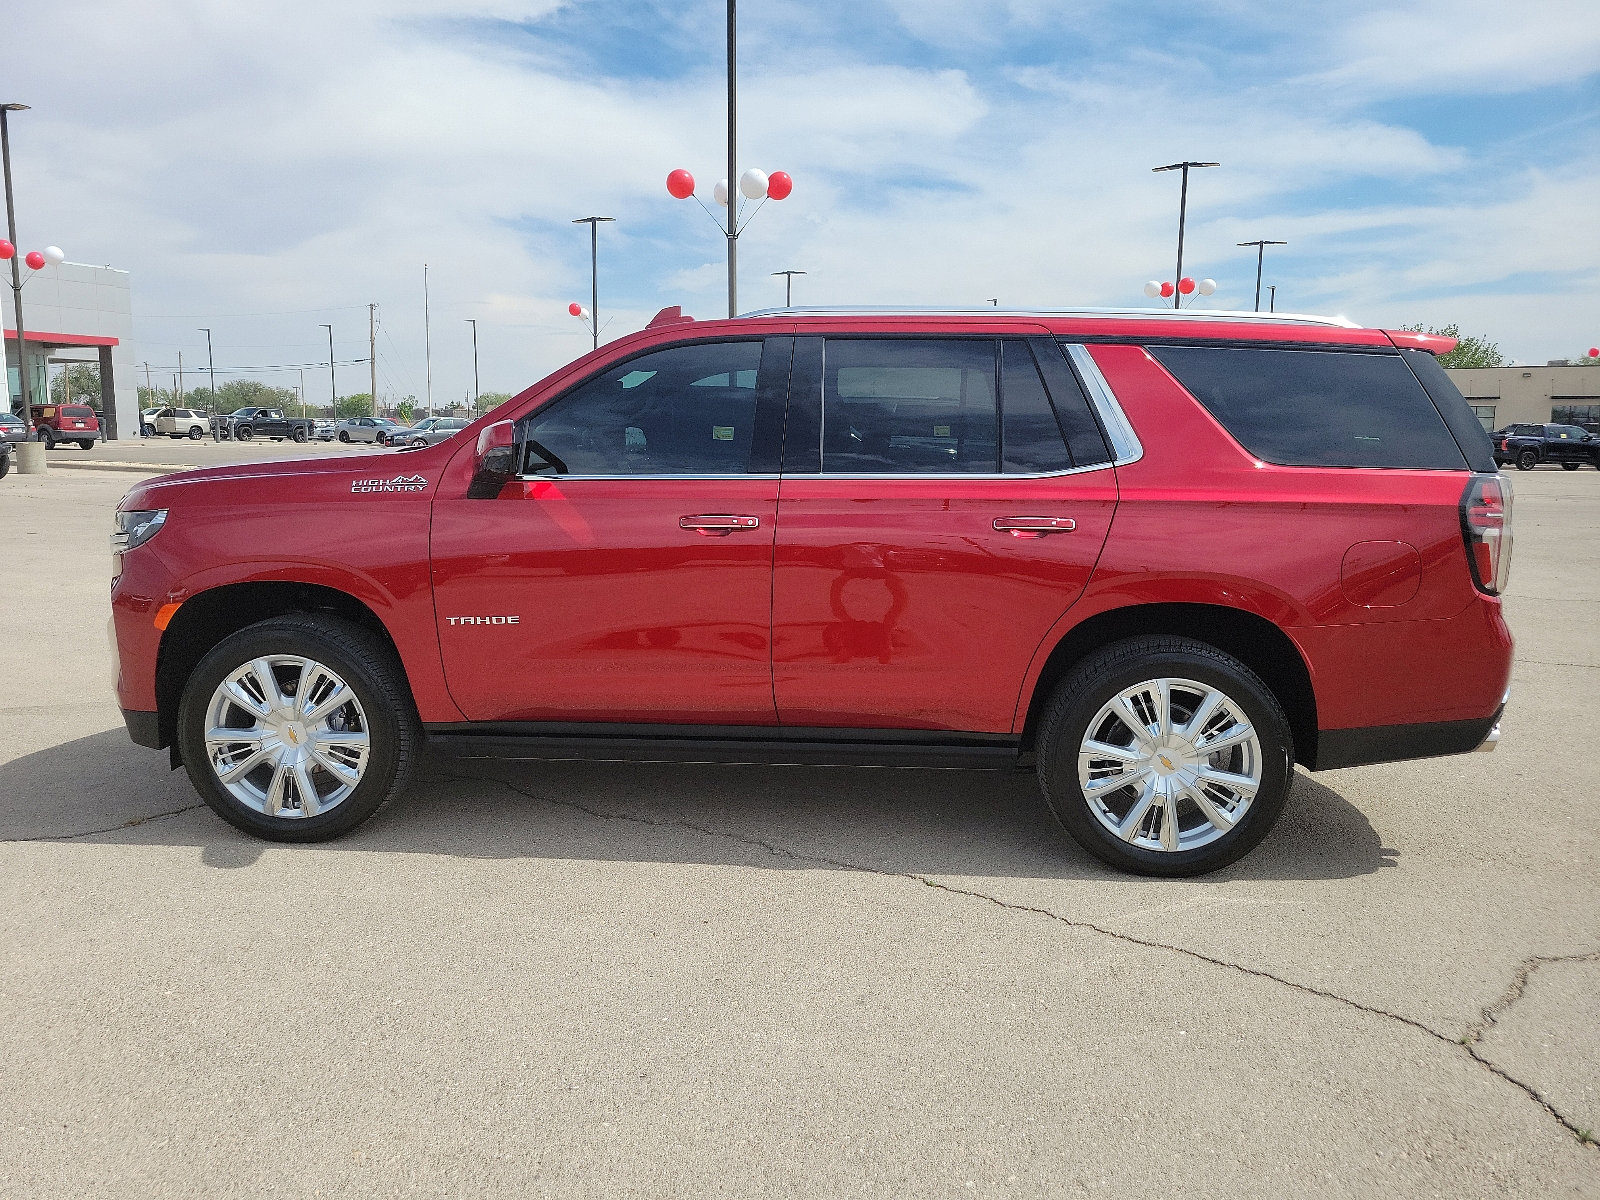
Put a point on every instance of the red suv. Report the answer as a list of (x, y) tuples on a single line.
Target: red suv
[(1160, 558), (66, 423)]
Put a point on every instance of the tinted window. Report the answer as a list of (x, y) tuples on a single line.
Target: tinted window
[(1031, 438), (1317, 408), (909, 406), (686, 410), (73, 410)]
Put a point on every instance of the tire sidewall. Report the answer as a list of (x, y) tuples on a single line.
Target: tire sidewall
[(303, 638), (1527, 460), (1067, 726)]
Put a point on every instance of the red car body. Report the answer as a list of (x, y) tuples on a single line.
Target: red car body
[(893, 604)]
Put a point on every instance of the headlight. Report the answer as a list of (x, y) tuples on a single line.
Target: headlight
[(136, 527)]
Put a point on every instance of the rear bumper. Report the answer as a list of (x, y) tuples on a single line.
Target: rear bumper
[(1394, 743)]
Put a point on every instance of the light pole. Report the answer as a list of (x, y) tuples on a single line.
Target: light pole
[(211, 368), (788, 286), (1183, 208), (594, 272), (1261, 250), (1272, 297), (333, 386), (16, 270), (474, 324)]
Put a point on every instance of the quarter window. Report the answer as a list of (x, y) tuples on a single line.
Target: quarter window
[(1032, 439), (685, 410)]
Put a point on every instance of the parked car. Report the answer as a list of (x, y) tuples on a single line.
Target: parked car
[(1529, 445), (182, 423), (366, 429), (1158, 558), (323, 430), (429, 432), (247, 423), (147, 421), (66, 423), (12, 428)]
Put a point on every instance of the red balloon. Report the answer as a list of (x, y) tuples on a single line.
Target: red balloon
[(680, 184), (6, 249), (1166, 289), (1594, 351), (34, 259), (1186, 285), (779, 185), (575, 309)]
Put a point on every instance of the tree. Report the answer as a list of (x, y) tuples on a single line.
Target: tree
[(85, 381), (1471, 350), (248, 393), (405, 411), (354, 406), (488, 400)]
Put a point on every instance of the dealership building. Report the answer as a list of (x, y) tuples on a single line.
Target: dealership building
[(76, 313), (1566, 394)]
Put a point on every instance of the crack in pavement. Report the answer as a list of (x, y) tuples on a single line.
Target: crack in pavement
[(128, 824), (1519, 983), (1466, 1042)]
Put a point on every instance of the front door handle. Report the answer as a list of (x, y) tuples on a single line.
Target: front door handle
[(1034, 527), (719, 524)]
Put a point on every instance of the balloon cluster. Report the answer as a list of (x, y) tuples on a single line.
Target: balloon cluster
[(753, 185), (36, 259), (1185, 285), (578, 310)]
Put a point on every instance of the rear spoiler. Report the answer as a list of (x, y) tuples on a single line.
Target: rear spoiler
[(1409, 339)]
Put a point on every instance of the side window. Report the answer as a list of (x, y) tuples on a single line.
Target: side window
[(1317, 408), (685, 410), (1031, 438), (909, 406)]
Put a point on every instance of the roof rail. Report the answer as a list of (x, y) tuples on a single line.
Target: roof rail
[(1157, 314)]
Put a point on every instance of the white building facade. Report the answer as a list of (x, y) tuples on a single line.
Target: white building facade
[(76, 313)]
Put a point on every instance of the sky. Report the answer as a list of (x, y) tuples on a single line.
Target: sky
[(264, 168)]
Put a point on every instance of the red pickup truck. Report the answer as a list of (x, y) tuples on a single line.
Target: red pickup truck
[(1158, 558)]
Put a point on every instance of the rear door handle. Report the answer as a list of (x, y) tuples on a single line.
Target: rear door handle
[(719, 524), (1034, 527)]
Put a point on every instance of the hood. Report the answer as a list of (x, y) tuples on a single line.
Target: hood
[(398, 473)]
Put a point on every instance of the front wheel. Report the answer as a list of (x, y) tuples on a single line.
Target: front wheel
[(1527, 460), (195, 433), (1165, 756), (244, 433), (298, 728), (48, 438)]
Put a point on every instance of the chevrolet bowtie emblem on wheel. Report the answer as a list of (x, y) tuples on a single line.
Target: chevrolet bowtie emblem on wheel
[(400, 483), (1165, 761)]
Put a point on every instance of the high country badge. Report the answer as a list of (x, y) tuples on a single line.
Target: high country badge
[(400, 483)]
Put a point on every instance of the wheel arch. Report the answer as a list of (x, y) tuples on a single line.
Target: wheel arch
[(208, 617), (1253, 640)]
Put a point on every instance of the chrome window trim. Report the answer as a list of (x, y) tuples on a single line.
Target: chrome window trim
[(1125, 445), (657, 478)]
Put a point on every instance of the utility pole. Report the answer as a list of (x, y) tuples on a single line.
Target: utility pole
[(149, 388), (733, 158), (372, 352), (333, 386), (212, 367), (1261, 250), (474, 324), (178, 402), (16, 271), (427, 337), (1183, 208), (302, 392), (1272, 303), (788, 286)]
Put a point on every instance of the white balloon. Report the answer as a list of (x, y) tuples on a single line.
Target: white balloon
[(1152, 289), (583, 312), (53, 255), (753, 184), (1207, 286), (721, 192)]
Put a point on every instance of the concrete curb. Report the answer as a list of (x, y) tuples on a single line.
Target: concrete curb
[(135, 468)]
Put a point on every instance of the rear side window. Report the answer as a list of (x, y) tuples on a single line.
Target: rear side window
[(909, 406), (1317, 408), (73, 410)]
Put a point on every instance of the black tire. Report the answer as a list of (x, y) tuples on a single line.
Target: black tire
[(1527, 460), (371, 670), (244, 433), (88, 445), (344, 436), (1122, 665), (299, 434), (147, 430), (1570, 466), (195, 433), (5, 465), (48, 438)]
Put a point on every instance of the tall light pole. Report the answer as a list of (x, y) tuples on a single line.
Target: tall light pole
[(372, 352), (16, 269), (211, 366), (788, 286), (1261, 250), (1183, 208), (333, 386), (474, 324), (427, 337), (733, 157), (1272, 300), (594, 274)]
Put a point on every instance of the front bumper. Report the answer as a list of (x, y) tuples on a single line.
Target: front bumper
[(143, 727)]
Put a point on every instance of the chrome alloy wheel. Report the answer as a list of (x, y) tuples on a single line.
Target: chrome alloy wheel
[(1170, 764), (286, 736)]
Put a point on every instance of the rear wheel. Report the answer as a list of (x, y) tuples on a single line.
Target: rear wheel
[(86, 445), (1165, 756), (344, 436), (1527, 460), (299, 434), (299, 728), (195, 433)]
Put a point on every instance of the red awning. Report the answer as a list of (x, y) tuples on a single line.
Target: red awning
[(64, 339)]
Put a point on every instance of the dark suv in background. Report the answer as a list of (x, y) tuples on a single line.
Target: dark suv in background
[(1529, 445)]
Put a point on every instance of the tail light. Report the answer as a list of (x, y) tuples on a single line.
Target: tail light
[(1486, 527)]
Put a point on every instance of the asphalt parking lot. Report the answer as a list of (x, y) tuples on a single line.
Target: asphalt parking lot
[(613, 979)]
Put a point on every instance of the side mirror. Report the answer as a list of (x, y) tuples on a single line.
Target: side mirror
[(495, 461)]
